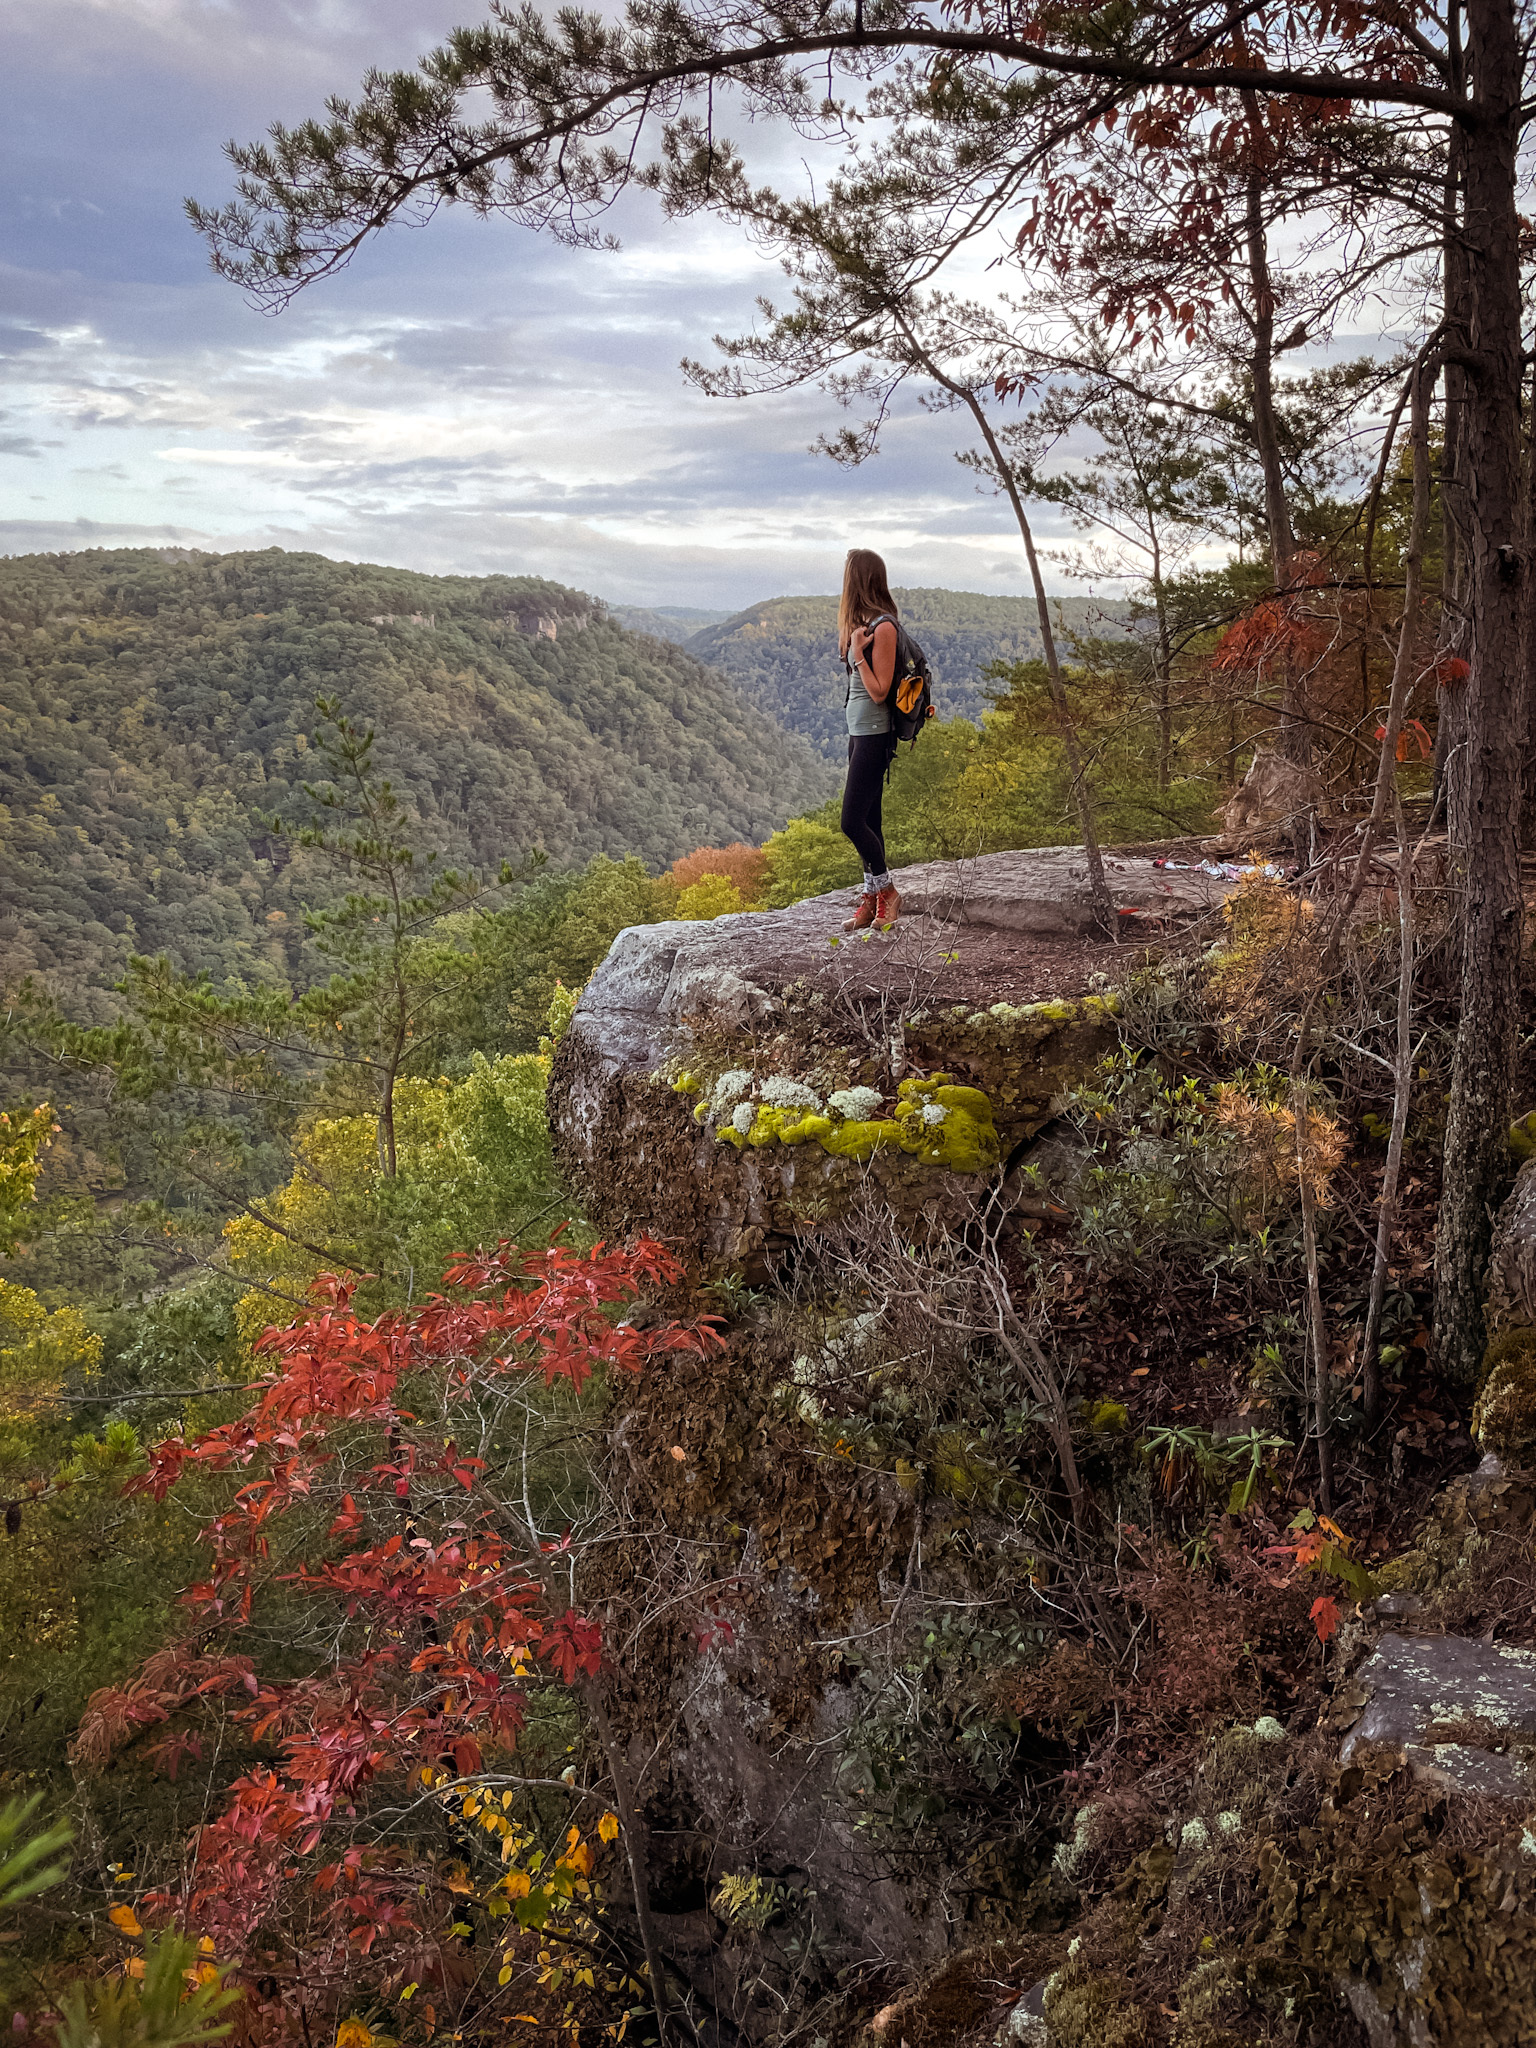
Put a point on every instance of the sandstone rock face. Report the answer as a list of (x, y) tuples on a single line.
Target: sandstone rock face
[(783, 996)]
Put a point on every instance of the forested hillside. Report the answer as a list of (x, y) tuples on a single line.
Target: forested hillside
[(783, 653), (157, 712)]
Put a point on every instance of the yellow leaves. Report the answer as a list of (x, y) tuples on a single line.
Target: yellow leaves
[(38, 1351), (1271, 941), (580, 1859), (608, 1828), (22, 1314), (517, 1884), (125, 1920), (23, 1139), (1280, 1151), (354, 2033)]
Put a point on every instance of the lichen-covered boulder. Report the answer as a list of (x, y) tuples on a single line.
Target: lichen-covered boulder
[(1464, 1712), (725, 1085)]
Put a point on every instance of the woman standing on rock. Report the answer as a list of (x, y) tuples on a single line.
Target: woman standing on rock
[(867, 641)]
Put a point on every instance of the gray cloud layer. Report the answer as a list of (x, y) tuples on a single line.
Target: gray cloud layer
[(465, 398)]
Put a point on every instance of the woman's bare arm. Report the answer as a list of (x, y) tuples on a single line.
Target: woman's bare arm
[(876, 662)]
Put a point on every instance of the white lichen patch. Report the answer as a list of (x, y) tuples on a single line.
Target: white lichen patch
[(856, 1104), (743, 1116), (730, 1087), (934, 1112), (1070, 1853), (1268, 1729), (1194, 1836), (1229, 1824), (784, 1093)]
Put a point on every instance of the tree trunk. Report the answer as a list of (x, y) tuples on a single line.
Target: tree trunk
[(1403, 673), (1485, 789), (1098, 886), (1294, 739), (1164, 685), (1450, 727), (1528, 626), (1266, 432), (636, 1850)]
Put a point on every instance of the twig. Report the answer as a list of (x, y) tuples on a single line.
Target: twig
[(1401, 1091)]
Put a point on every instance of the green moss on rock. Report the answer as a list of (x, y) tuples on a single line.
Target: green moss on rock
[(1093, 2010), (936, 1121), (1504, 1419)]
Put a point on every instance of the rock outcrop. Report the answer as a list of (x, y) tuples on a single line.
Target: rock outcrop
[(848, 1539), (726, 1085), (1463, 1713)]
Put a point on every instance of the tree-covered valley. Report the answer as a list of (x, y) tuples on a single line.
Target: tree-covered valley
[(156, 719)]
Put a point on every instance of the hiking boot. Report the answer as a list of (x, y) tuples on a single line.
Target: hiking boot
[(864, 914), (887, 908)]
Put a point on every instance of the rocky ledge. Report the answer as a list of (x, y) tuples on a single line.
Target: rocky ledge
[(725, 1085)]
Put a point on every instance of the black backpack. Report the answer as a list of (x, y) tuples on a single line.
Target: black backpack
[(911, 699)]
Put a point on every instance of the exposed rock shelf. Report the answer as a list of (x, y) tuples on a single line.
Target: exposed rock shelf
[(991, 977)]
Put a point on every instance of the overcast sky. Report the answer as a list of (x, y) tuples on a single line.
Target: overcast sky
[(467, 397)]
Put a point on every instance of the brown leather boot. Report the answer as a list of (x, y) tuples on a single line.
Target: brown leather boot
[(887, 908), (863, 916)]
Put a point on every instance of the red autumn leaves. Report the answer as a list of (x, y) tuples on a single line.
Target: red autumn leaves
[(385, 1557)]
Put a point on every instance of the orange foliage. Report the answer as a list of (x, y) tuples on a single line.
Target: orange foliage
[(746, 866), (1273, 631)]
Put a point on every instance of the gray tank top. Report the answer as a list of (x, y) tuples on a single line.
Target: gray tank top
[(864, 715)]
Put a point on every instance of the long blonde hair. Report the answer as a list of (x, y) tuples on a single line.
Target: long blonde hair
[(865, 594)]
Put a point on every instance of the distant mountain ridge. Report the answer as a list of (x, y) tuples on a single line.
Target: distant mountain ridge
[(666, 621), (783, 653), (156, 709)]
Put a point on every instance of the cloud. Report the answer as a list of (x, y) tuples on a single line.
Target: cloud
[(465, 398)]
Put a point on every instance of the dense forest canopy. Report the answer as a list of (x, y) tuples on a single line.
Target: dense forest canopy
[(783, 654), (157, 710)]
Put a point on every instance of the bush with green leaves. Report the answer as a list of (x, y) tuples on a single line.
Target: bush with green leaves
[(176, 2003)]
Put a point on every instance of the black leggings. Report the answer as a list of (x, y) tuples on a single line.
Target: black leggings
[(869, 755)]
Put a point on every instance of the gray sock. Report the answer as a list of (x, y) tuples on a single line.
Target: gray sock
[(871, 886), (880, 882)]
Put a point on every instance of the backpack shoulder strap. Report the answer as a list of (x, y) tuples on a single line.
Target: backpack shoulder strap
[(880, 619)]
